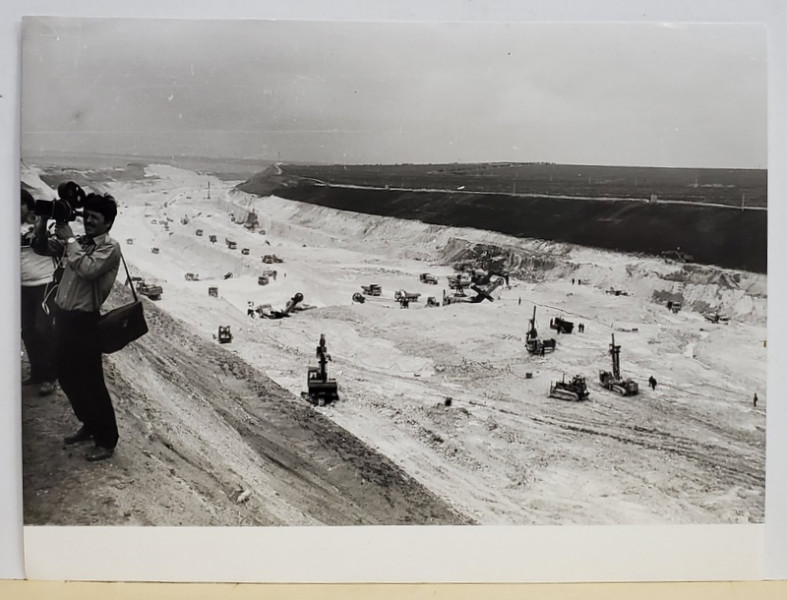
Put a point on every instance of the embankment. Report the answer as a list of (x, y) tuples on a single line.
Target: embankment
[(724, 237)]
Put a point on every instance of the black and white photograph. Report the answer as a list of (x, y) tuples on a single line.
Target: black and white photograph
[(422, 274)]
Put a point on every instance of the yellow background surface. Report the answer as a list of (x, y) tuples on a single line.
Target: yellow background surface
[(46, 590)]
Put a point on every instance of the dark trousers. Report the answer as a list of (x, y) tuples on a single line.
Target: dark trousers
[(38, 334), (81, 374)]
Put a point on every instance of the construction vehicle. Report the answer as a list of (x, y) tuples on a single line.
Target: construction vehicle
[(716, 318), (199, 233), (373, 289), (244, 251), (535, 345), (130, 241), (154, 250), (231, 245), (574, 390), (263, 280), (265, 311), (561, 325), (615, 292), (428, 278), (674, 306), (270, 259), (213, 239), (613, 381), (270, 273), (459, 282), (150, 290), (321, 389), (359, 298), (213, 291), (225, 336), (228, 275), (404, 298), (192, 276), (432, 301), (485, 293)]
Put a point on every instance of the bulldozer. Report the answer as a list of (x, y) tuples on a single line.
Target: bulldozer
[(573, 390), (535, 345), (321, 389), (613, 381)]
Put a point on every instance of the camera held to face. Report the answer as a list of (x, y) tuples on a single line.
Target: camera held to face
[(64, 209)]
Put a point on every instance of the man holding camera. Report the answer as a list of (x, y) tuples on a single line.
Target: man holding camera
[(91, 264), (36, 275)]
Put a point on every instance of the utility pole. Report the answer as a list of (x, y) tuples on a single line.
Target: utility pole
[(743, 201)]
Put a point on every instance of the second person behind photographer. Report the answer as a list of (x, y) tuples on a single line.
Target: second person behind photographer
[(91, 265)]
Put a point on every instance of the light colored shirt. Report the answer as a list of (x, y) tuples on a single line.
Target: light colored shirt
[(90, 270), (35, 269)]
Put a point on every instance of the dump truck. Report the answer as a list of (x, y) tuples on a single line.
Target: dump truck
[(150, 290), (561, 325), (428, 278), (373, 289)]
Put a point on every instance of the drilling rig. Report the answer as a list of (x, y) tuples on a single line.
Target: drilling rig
[(533, 344), (613, 381), (321, 389)]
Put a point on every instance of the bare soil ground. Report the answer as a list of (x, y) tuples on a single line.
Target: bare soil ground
[(204, 425), (199, 427)]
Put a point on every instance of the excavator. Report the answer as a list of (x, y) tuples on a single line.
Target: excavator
[(613, 381), (321, 389), (482, 293), (266, 312)]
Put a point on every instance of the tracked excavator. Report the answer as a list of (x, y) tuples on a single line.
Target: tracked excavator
[(321, 389), (613, 381)]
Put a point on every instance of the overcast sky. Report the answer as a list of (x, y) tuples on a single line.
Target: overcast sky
[(614, 94)]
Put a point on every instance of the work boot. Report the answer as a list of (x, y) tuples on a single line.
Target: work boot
[(47, 388), (99, 453), (83, 435)]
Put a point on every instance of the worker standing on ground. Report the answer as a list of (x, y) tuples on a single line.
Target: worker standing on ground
[(652, 382), (37, 324), (755, 400)]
